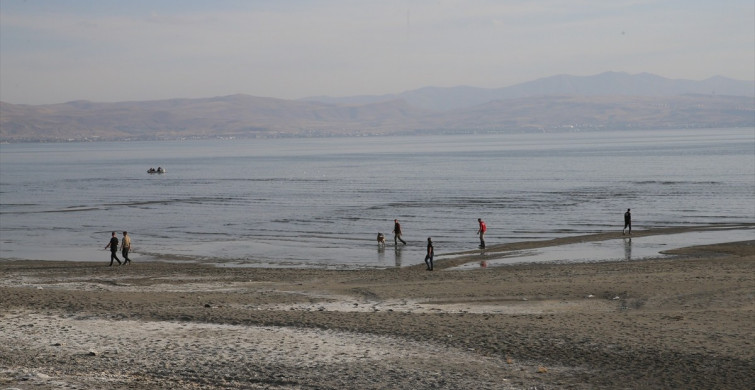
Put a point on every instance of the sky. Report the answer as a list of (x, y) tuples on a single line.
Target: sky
[(109, 51)]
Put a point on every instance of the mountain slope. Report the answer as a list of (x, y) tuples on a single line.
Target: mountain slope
[(608, 100), (229, 116), (604, 84), (247, 116)]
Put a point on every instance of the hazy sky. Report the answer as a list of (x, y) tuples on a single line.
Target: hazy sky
[(103, 50)]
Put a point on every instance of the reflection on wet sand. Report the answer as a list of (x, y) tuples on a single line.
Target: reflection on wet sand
[(643, 245), (397, 250)]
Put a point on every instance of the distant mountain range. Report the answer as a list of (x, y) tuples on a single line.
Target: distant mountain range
[(605, 101), (604, 84)]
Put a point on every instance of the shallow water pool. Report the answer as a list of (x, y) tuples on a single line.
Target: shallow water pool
[(627, 248)]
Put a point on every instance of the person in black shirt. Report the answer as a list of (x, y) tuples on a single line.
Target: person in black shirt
[(113, 245), (627, 222), (429, 255)]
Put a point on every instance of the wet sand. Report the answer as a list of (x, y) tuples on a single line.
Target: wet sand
[(679, 322)]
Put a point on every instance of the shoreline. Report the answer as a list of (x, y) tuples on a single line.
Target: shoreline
[(678, 322), (443, 259)]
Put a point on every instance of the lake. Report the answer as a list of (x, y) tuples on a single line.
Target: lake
[(320, 202)]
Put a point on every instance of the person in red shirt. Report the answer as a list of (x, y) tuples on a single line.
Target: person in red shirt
[(481, 231)]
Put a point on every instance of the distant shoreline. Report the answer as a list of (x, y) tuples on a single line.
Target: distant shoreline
[(244, 116), (370, 134)]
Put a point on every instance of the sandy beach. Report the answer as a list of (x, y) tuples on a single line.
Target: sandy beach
[(683, 322)]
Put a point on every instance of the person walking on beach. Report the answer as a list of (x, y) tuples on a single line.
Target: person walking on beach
[(397, 233), (125, 247), (627, 222), (113, 245), (481, 231), (429, 255)]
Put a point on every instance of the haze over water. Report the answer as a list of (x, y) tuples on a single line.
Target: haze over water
[(321, 201)]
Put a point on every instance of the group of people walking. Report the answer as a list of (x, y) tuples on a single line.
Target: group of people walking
[(397, 238), (430, 250), (482, 228), (125, 247), (125, 243)]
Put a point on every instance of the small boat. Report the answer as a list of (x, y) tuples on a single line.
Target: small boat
[(158, 170)]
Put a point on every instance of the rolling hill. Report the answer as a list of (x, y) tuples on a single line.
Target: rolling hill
[(606, 101)]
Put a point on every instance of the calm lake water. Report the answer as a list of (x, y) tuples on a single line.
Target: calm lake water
[(320, 202)]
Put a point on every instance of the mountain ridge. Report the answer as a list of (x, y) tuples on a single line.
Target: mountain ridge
[(607, 83), (523, 109)]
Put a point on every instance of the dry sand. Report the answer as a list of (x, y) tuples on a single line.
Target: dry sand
[(684, 322)]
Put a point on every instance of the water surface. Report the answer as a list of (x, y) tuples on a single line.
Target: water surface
[(321, 201)]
